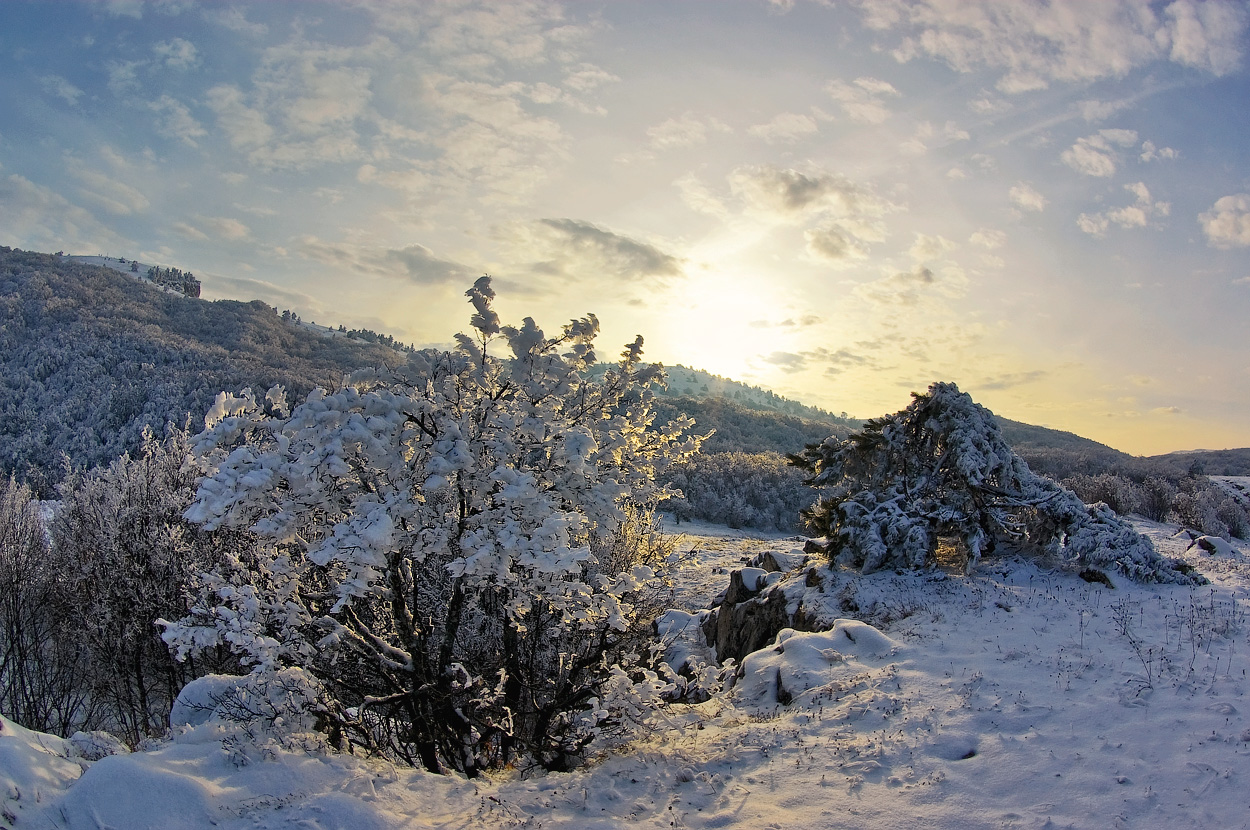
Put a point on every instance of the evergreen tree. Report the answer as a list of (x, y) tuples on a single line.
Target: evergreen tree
[(941, 467)]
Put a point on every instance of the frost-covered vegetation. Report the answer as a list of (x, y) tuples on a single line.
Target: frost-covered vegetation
[(941, 468), (463, 559)]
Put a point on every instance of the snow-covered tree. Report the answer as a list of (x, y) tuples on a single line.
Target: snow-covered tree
[(462, 556), (41, 660), (124, 557), (941, 467)]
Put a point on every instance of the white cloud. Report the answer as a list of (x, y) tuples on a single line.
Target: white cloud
[(174, 120), (1227, 223), (235, 20), (61, 88), (785, 128), (927, 248), (1150, 153), (586, 77), (1101, 110), (1136, 215), (177, 53), (1206, 35), (225, 227), (44, 219), (1097, 155), (863, 101), (1035, 43), (687, 130), (115, 197), (911, 288), (988, 238), (1026, 197)]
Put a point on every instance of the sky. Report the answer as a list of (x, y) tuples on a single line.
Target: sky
[(1045, 202)]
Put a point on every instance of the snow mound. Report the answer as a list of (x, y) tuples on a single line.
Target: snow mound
[(1215, 545), (801, 666), (33, 768)]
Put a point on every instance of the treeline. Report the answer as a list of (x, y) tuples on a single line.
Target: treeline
[(80, 591)]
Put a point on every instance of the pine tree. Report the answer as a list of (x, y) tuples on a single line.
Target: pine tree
[(941, 468)]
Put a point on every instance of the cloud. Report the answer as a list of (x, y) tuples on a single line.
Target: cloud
[(787, 191), (580, 249), (845, 215), (833, 362), (61, 88), (174, 120), (988, 238), (302, 107), (1096, 155), (863, 101), (786, 128), (910, 288), (226, 228), (1026, 197), (586, 77), (788, 362), (1012, 380), (1101, 110), (115, 197), (925, 131), (177, 53), (1227, 223), (834, 244), (685, 131), (190, 232), (1150, 153), (235, 20), (220, 227), (44, 219), (415, 263), (927, 248), (1206, 35), (1033, 44), (1136, 215), (789, 323)]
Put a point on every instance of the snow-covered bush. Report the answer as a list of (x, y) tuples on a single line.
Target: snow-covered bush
[(126, 557), (941, 467), (740, 489), (462, 554), (41, 660)]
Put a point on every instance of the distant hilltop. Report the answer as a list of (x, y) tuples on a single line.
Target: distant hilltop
[(171, 279)]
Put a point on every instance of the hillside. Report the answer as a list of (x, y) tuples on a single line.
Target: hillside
[(90, 357)]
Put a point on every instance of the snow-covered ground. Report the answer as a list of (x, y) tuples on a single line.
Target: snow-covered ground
[(1018, 697)]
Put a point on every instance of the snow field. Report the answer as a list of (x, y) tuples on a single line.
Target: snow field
[(1019, 697)]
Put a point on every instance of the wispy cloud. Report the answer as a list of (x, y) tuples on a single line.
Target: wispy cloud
[(575, 249), (863, 100), (415, 263), (1032, 45)]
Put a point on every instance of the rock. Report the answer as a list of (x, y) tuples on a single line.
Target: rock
[(748, 620)]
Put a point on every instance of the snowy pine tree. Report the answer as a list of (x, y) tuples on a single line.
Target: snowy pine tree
[(941, 467)]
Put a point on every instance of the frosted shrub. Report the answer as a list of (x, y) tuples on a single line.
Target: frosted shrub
[(462, 555), (941, 467)]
